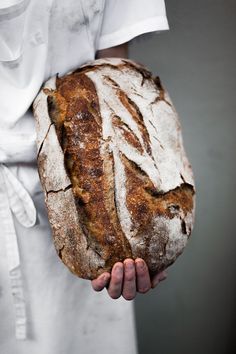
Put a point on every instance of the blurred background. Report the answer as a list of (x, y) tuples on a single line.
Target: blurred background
[(194, 310)]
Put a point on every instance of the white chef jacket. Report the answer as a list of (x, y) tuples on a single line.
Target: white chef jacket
[(40, 300)]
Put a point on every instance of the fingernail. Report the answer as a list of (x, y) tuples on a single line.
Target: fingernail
[(141, 264), (129, 265), (163, 275), (118, 270), (105, 277)]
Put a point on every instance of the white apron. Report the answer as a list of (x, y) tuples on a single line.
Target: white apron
[(45, 309)]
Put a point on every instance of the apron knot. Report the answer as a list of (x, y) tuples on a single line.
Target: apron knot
[(20, 202)]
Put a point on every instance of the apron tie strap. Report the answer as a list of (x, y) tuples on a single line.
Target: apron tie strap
[(15, 200)]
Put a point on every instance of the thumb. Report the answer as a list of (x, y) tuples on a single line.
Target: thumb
[(99, 283), (158, 278)]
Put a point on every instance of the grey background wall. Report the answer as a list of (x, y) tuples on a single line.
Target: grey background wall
[(194, 310)]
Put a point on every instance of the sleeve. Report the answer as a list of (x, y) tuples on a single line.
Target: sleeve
[(123, 20)]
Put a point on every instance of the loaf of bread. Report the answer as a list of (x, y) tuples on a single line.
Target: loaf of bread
[(112, 164)]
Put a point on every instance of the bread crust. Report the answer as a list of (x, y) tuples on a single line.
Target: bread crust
[(115, 174)]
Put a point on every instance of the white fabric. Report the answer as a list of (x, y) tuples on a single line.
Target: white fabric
[(54, 311), (131, 19), (15, 200)]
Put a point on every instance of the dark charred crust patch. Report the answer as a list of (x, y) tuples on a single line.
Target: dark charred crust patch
[(158, 84), (60, 251), (183, 227), (161, 95)]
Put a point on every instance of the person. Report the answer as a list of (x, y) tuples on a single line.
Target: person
[(43, 307)]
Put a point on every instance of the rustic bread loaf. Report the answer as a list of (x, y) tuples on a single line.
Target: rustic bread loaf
[(112, 164)]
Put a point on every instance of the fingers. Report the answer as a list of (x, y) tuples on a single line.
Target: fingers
[(100, 282), (129, 285), (142, 276), (116, 282), (158, 278), (127, 278)]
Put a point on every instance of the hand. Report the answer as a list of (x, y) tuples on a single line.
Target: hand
[(127, 278)]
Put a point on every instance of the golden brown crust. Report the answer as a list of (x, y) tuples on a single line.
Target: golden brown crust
[(93, 185), (75, 111)]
